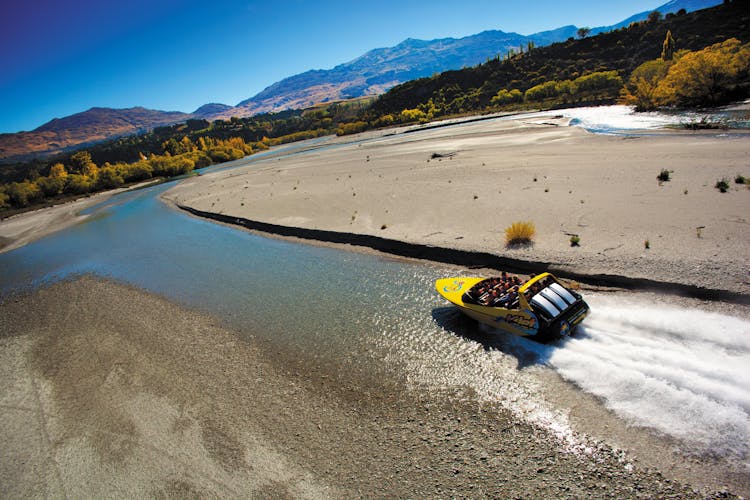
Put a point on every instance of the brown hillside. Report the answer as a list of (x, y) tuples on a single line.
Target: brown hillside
[(94, 125)]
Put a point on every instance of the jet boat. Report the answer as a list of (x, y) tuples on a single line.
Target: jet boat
[(541, 308)]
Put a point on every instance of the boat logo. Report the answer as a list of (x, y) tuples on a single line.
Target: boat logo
[(455, 287), (522, 320)]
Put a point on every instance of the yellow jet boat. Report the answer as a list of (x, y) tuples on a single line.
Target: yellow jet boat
[(541, 308)]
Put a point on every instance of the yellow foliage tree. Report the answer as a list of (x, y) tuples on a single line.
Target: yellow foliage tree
[(705, 77), (640, 90), (57, 171)]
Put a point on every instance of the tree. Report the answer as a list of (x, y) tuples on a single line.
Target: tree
[(58, 171), (599, 80), (4, 198), (21, 194), (80, 160), (640, 90), (77, 184), (109, 177), (667, 48), (505, 96), (654, 16), (707, 77), (583, 32)]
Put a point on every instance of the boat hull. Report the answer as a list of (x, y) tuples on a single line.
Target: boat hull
[(526, 319)]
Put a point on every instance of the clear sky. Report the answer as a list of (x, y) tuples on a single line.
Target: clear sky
[(60, 57)]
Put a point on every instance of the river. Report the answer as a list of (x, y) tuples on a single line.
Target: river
[(678, 374)]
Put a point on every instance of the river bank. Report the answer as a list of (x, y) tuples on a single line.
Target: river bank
[(23, 228), (458, 187), (128, 394)]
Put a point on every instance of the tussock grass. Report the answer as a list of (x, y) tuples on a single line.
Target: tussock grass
[(520, 233)]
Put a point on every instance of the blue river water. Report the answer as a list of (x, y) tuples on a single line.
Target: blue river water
[(316, 300)]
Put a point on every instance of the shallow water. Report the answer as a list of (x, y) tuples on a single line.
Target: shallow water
[(681, 372), (620, 120)]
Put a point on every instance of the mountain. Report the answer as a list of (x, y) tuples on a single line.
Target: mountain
[(621, 51), (94, 125), (671, 7), (381, 69), (370, 74), (211, 109)]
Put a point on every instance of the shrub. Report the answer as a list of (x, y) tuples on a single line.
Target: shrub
[(575, 240), (741, 179), (722, 185), (663, 175), (646, 244), (520, 233)]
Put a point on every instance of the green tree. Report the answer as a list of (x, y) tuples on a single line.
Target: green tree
[(583, 32)]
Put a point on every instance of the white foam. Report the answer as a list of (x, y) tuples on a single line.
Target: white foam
[(683, 372), (620, 118)]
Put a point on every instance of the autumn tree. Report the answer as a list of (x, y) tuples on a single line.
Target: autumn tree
[(80, 160), (706, 77), (505, 96), (4, 198), (640, 90), (667, 48), (21, 194)]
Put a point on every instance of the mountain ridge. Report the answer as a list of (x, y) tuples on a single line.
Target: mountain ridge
[(372, 73)]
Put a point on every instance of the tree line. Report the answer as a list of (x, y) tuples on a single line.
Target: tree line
[(164, 152)]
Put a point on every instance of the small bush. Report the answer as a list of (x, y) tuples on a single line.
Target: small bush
[(722, 185), (520, 233), (646, 244), (741, 179), (575, 240), (663, 175)]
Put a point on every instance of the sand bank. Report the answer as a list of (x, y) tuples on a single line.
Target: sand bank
[(107, 391), (459, 187)]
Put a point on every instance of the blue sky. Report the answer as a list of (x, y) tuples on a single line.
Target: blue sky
[(61, 57)]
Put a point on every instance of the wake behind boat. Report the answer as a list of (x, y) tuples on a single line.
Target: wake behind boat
[(541, 308)]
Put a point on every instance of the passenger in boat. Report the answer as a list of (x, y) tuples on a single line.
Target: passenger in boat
[(513, 300)]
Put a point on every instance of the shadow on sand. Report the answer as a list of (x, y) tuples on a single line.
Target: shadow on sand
[(528, 352)]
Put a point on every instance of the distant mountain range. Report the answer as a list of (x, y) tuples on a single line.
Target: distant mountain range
[(370, 74), (94, 125)]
